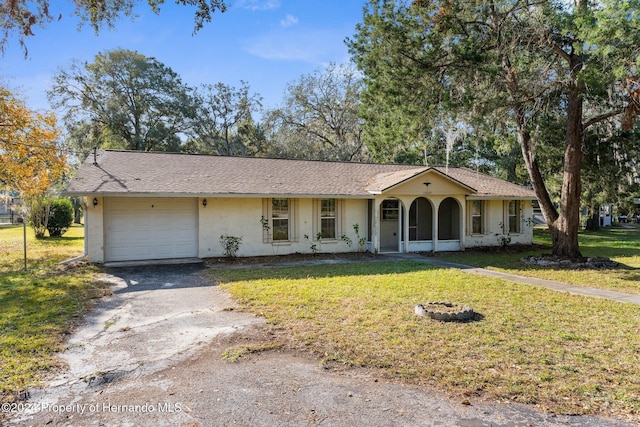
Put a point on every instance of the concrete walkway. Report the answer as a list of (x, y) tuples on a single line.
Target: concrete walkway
[(550, 284)]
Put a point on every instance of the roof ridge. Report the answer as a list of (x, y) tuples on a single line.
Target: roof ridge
[(407, 165)]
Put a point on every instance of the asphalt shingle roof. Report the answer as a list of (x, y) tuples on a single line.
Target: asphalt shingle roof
[(147, 173)]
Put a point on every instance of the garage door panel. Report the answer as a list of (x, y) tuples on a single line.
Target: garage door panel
[(137, 229)]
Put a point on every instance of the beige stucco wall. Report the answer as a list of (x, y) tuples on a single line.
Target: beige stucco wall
[(495, 217), (437, 186), (94, 229), (240, 217)]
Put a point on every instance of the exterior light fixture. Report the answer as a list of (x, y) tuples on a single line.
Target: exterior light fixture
[(204, 202), (427, 184), (95, 201)]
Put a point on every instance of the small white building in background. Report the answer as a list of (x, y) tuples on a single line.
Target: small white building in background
[(606, 215), (145, 206)]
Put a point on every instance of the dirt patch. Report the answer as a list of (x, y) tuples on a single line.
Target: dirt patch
[(583, 263), (284, 386)]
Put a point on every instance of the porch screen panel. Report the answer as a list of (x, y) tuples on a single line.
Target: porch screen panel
[(420, 220)]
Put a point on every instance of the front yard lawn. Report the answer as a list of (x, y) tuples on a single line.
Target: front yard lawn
[(38, 307), (619, 244), (568, 354)]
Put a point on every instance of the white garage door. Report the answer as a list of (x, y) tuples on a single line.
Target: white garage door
[(150, 228)]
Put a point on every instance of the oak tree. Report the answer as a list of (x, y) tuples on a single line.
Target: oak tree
[(319, 118), (436, 62), (224, 114), (123, 100)]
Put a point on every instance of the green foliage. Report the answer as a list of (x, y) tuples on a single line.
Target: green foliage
[(37, 209), (315, 247), (319, 118), (265, 223), (230, 245), (544, 71), (224, 124), (362, 241), (60, 217), (123, 100)]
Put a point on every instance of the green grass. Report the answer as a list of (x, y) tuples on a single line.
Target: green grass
[(619, 244), (565, 353), (39, 306)]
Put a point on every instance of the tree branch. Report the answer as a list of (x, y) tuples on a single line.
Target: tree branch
[(602, 117)]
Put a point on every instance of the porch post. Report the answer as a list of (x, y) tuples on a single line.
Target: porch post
[(375, 238), (405, 226), (463, 222), (436, 210)]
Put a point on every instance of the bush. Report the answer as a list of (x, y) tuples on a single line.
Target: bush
[(60, 217), (36, 208)]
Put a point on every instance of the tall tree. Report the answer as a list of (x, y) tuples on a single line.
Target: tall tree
[(20, 17), (448, 59), (31, 161), (222, 121), (126, 100), (319, 118)]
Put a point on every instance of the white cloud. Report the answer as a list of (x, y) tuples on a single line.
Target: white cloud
[(258, 4), (288, 21), (316, 47)]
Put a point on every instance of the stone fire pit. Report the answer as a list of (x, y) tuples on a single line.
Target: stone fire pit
[(444, 311)]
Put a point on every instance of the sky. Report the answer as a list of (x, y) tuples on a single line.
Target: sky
[(267, 43)]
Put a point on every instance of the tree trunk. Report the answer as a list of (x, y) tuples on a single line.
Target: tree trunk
[(565, 228), (563, 225), (593, 221)]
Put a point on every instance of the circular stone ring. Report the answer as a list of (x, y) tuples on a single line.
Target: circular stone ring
[(444, 311)]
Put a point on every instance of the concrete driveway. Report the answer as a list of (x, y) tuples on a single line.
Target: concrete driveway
[(157, 317), (151, 355)]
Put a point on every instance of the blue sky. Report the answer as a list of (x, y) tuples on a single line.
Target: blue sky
[(267, 43)]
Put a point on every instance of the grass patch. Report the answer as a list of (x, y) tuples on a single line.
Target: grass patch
[(236, 353), (40, 306), (569, 354), (619, 244)]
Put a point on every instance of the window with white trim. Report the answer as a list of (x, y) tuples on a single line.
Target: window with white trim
[(280, 219), (328, 218), (513, 216), (477, 217)]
